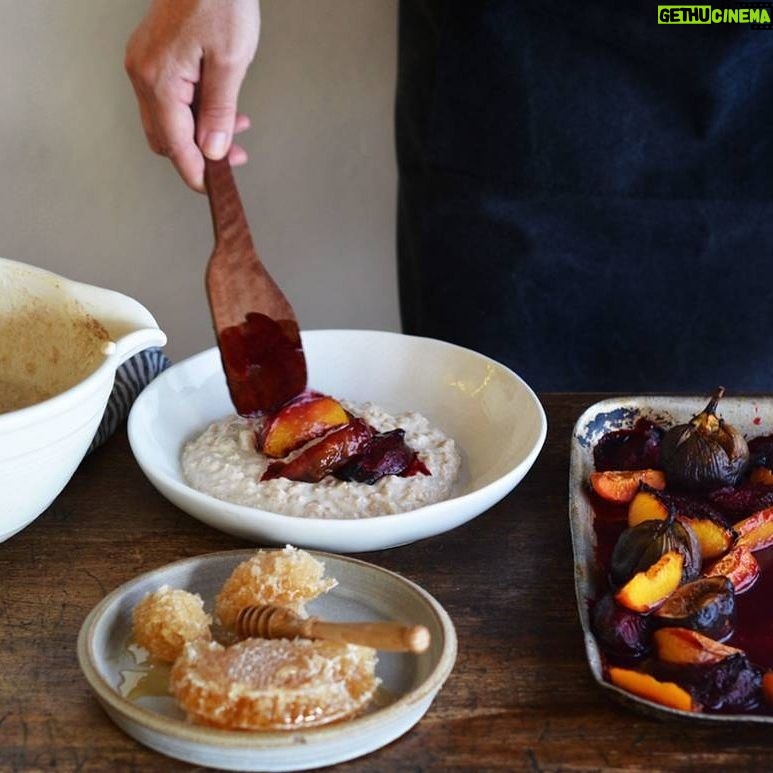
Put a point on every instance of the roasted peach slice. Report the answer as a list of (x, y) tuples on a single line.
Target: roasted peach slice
[(682, 646), (325, 456), (645, 686), (308, 416), (714, 536), (647, 505), (648, 589), (756, 531), (767, 687), (620, 486), (761, 475), (739, 566)]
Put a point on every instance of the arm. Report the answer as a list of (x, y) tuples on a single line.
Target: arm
[(193, 48)]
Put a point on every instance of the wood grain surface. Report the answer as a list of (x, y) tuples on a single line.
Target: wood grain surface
[(521, 696)]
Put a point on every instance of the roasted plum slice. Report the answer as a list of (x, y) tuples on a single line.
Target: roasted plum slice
[(739, 566), (387, 453), (325, 456), (620, 631), (705, 605), (304, 418), (637, 448), (756, 531)]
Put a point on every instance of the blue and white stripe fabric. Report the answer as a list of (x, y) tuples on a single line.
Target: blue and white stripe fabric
[(130, 379)]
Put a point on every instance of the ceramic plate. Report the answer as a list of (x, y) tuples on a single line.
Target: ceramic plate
[(749, 415), (495, 418), (134, 695)]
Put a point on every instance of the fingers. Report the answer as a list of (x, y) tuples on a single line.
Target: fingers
[(221, 79)]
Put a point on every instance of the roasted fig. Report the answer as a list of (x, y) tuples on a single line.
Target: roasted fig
[(639, 547), (706, 453), (620, 631), (731, 684), (705, 605)]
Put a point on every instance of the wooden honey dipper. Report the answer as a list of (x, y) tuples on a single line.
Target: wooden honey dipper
[(270, 622)]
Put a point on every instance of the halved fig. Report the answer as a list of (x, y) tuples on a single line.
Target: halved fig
[(620, 631), (705, 605)]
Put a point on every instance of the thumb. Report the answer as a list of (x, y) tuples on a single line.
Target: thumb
[(216, 114)]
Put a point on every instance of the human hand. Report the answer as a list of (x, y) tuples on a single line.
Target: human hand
[(186, 49)]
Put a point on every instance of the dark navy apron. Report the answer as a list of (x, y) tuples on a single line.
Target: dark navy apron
[(586, 195)]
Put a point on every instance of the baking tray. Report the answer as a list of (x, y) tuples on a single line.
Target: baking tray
[(752, 415)]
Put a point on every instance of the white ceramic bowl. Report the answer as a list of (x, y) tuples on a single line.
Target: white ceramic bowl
[(63, 339), (495, 418)]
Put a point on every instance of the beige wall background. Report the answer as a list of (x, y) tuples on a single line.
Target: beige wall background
[(81, 194)]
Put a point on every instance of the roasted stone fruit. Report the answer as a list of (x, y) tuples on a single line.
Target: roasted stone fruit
[(306, 417), (646, 686), (639, 547), (620, 631), (681, 646), (739, 566), (637, 448), (648, 504), (649, 588), (386, 454), (706, 453), (767, 687), (756, 531), (705, 605), (324, 457), (620, 486)]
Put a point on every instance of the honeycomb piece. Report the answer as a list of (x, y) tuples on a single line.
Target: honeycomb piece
[(273, 684), (165, 619), (286, 577)]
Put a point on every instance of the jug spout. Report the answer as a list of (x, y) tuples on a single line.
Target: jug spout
[(129, 324)]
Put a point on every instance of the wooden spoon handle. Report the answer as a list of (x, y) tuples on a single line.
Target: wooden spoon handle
[(229, 220), (271, 622)]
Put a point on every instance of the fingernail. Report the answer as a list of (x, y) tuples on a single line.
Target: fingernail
[(214, 145)]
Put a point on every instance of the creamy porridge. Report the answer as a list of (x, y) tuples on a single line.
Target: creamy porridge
[(223, 462)]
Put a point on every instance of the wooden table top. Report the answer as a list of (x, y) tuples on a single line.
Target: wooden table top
[(521, 696)]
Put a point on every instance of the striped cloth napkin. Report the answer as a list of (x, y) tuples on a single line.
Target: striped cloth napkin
[(130, 379)]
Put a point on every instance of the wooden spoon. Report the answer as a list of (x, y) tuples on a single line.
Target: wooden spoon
[(271, 622), (257, 332)]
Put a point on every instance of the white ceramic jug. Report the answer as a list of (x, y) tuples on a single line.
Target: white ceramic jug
[(60, 345)]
